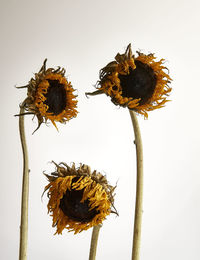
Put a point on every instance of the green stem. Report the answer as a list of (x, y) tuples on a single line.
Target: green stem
[(25, 191), (139, 189), (94, 240)]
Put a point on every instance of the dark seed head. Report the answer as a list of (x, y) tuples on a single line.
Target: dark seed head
[(55, 97), (72, 207), (139, 83)]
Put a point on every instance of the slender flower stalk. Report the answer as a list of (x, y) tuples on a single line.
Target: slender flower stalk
[(141, 84), (139, 188), (49, 97), (25, 191), (94, 241)]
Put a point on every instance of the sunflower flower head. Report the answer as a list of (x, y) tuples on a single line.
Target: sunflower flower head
[(50, 96), (139, 83), (78, 199)]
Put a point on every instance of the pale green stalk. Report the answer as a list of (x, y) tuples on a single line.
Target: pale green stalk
[(139, 189), (25, 191), (94, 240)]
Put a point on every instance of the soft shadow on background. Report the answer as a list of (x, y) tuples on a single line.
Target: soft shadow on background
[(83, 36)]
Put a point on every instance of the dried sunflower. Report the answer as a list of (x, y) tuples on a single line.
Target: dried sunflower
[(139, 83), (50, 96), (78, 199)]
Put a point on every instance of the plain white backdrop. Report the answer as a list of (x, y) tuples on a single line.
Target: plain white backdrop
[(83, 36)]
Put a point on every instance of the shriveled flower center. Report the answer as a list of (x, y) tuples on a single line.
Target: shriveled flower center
[(55, 97), (139, 83), (72, 207)]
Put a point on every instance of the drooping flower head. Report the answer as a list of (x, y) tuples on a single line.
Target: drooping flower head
[(139, 83), (78, 199), (50, 96)]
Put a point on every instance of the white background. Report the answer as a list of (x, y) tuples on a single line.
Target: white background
[(83, 36)]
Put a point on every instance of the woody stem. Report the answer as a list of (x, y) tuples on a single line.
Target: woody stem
[(94, 240), (139, 188), (25, 191)]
